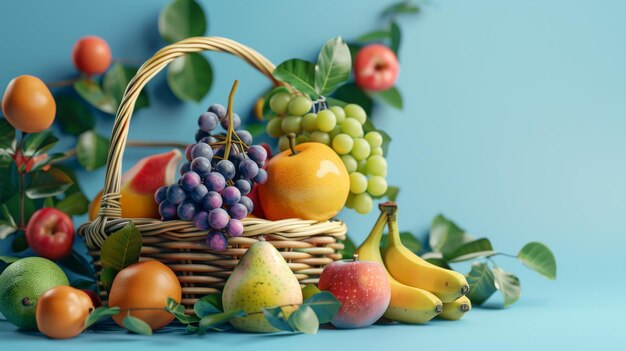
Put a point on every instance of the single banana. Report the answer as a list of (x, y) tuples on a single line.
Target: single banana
[(407, 304), (410, 269), (456, 309)]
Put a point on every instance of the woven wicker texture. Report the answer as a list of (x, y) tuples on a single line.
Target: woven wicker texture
[(306, 245)]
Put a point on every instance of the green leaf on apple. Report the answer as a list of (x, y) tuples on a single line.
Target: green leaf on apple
[(390, 97), (74, 204), (351, 93), (298, 73), (403, 7), (190, 77), (276, 318), (73, 117), (7, 135), (95, 96), (92, 150), (35, 144), (49, 183), (396, 36), (136, 325), (324, 304), (333, 66), (100, 313), (376, 35), (304, 320), (470, 250), (539, 258), (508, 284), (482, 283), (121, 248), (116, 80), (182, 19)]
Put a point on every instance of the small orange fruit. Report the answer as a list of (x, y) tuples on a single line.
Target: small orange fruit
[(62, 311), (28, 104), (312, 184), (91, 55), (144, 288)]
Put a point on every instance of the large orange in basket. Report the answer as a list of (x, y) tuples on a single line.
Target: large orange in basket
[(312, 184), (145, 285)]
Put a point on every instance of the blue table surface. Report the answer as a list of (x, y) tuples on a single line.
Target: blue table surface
[(514, 127)]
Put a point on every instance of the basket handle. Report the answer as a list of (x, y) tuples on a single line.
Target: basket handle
[(110, 207)]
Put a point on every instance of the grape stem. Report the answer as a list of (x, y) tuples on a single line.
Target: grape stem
[(292, 143), (229, 115)]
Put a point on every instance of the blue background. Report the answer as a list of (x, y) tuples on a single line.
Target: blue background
[(514, 127)]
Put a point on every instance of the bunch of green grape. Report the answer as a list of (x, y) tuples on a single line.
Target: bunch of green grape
[(340, 128)]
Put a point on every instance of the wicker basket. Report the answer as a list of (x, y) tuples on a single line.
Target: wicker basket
[(307, 246)]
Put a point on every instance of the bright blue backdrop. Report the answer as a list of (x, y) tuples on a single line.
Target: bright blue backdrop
[(514, 127)]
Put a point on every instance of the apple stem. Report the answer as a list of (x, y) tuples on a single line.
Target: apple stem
[(292, 143), (355, 257)]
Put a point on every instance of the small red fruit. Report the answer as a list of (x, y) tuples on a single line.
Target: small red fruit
[(50, 233), (376, 68), (91, 55)]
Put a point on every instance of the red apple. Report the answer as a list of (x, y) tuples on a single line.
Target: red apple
[(50, 233), (376, 67), (363, 289)]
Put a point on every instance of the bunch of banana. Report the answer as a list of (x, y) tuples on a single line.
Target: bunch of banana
[(419, 289)]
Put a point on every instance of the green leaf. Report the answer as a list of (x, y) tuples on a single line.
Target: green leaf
[(116, 80), (376, 35), (182, 19), (351, 93), (8, 259), (74, 204), (217, 319), (136, 325), (440, 262), (100, 313), (13, 205), (407, 239), (9, 180), (333, 66), (508, 284), (78, 264), (354, 50), (446, 236), (309, 290), (50, 183), (348, 248), (82, 283), (473, 249), (121, 248), (6, 229), (386, 141), (396, 38), (215, 300), (392, 193), (539, 258), (255, 128), (19, 244), (190, 77), (325, 306), (94, 95), (178, 311), (400, 8), (7, 135), (482, 284), (276, 318), (390, 97), (35, 144), (107, 276), (73, 117), (304, 320), (204, 308), (298, 73), (335, 102), (92, 150)]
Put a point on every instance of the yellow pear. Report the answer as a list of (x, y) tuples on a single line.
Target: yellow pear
[(262, 279)]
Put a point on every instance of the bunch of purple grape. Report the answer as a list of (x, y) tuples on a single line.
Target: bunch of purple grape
[(220, 172)]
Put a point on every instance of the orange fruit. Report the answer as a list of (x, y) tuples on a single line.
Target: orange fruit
[(312, 184), (91, 55), (62, 311), (144, 288), (28, 104), (139, 184)]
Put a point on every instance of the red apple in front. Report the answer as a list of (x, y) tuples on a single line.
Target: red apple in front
[(50, 233), (363, 289), (376, 68)]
